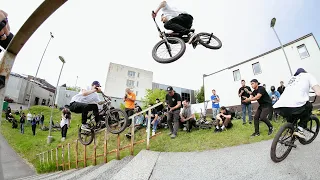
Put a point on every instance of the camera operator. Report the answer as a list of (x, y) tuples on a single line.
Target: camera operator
[(129, 99)]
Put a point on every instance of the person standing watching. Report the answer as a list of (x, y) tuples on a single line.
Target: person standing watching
[(245, 92), (129, 100), (173, 100), (215, 104), (281, 87), (260, 94)]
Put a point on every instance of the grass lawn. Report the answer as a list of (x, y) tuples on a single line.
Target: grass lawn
[(28, 145)]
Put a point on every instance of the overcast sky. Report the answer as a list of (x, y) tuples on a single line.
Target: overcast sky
[(91, 34)]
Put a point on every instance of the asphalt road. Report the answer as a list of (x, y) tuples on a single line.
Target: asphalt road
[(250, 161), (13, 166)]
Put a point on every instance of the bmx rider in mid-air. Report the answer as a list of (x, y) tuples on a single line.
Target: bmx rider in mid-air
[(175, 20)]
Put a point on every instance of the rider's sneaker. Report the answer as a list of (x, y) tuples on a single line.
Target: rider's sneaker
[(153, 133), (192, 37), (300, 134), (255, 134), (85, 127), (217, 130)]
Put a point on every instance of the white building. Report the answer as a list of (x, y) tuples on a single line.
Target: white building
[(121, 77), (269, 68), (18, 88)]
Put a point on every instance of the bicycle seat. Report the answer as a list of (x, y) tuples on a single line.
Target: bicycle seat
[(192, 30)]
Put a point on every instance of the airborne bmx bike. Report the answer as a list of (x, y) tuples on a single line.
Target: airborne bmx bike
[(172, 46), (283, 141), (115, 120)]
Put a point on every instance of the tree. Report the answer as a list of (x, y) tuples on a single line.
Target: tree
[(122, 106), (73, 88), (152, 95), (200, 95)]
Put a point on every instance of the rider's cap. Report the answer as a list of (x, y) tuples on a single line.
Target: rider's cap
[(96, 83), (300, 70), (255, 80), (169, 88)]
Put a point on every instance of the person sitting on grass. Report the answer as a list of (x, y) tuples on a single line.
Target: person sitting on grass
[(223, 120), (187, 115), (154, 119)]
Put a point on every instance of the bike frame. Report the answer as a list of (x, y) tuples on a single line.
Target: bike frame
[(105, 108)]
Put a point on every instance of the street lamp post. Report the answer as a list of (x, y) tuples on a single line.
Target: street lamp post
[(75, 86), (204, 95), (31, 91), (54, 97), (272, 24)]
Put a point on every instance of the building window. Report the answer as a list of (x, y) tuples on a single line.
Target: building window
[(130, 83), (302, 49), (236, 75), (138, 75), (136, 93), (131, 73), (185, 96), (256, 68), (137, 83)]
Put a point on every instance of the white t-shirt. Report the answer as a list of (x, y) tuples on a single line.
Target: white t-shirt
[(297, 91), (193, 111), (64, 121), (29, 116), (89, 99), (170, 12)]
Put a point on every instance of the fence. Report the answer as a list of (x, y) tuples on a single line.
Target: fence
[(64, 150)]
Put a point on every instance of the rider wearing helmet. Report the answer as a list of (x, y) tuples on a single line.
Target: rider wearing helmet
[(295, 99), (175, 20)]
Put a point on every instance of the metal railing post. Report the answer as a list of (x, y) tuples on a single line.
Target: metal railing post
[(148, 130)]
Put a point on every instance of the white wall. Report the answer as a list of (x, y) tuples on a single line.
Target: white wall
[(117, 77), (274, 69)]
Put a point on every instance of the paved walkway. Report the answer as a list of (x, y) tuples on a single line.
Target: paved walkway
[(251, 161), (13, 166)]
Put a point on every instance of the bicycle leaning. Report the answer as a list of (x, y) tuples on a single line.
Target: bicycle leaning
[(289, 137), (115, 120)]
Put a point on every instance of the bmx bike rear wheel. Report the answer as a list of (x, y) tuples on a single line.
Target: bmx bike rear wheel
[(85, 137), (210, 41), (167, 52)]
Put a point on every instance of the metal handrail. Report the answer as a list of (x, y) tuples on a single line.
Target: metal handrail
[(149, 108)]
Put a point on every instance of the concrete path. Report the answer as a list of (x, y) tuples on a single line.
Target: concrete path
[(251, 161), (13, 166)]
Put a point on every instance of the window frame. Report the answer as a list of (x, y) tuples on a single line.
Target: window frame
[(305, 47), (233, 73), (253, 69)]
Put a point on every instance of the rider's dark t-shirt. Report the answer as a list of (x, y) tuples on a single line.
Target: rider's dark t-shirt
[(265, 99), (173, 100), (245, 94)]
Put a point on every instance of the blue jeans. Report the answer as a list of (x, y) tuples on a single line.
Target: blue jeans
[(249, 108), (154, 126), (215, 112), (22, 128)]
